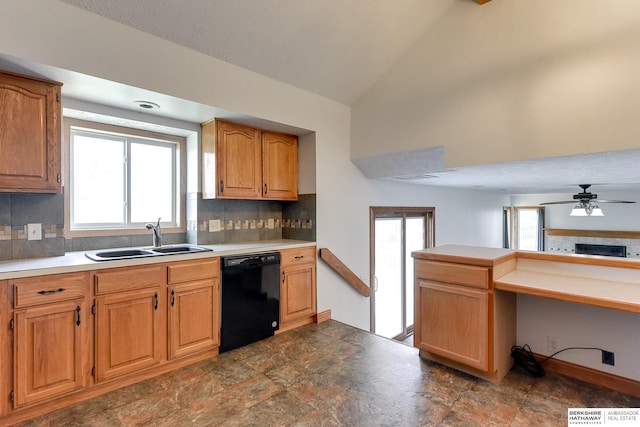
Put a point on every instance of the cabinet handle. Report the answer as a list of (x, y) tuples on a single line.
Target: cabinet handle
[(283, 277), (173, 297), (221, 186), (156, 298), (53, 291), (78, 314), (265, 188), (298, 257)]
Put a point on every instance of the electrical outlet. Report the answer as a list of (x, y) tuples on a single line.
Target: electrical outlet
[(608, 358), (552, 344), (34, 231)]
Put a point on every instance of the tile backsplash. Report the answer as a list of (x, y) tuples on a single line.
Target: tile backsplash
[(567, 244), (228, 221), (236, 221), (19, 210)]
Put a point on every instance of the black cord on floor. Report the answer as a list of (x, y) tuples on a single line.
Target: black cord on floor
[(523, 357)]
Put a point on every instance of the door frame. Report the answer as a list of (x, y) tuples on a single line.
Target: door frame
[(429, 239)]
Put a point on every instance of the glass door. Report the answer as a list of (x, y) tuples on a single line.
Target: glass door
[(396, 232)]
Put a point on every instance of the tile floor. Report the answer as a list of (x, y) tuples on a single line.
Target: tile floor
[(331, 374)]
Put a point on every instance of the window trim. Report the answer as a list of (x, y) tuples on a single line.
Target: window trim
[(68, 123)]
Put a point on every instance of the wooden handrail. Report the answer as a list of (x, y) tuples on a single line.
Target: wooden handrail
[(349, 276)]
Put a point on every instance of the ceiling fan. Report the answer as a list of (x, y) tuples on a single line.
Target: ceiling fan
[(587, 203)]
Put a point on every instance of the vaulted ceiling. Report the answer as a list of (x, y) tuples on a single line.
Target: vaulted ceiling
[(334, 48)]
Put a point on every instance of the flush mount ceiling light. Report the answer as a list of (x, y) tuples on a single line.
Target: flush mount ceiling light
[(587, 203), (147, 105)]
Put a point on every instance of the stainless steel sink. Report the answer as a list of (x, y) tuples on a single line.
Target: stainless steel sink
[(129, 253), (179, 249)]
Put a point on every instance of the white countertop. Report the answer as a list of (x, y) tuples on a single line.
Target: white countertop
[(77, 261)]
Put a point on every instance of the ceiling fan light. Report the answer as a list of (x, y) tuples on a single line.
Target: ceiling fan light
[(597, 212), (578, 211)]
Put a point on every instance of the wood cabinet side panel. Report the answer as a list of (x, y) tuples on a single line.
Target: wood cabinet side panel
[(209, 172)]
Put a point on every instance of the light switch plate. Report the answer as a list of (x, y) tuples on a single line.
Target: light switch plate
[(34, 231), (214, 225)]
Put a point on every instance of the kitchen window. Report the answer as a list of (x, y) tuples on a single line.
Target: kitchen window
[(120, 179), (527, 226)]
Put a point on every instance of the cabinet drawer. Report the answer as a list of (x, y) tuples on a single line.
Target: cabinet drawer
[(193, 270), (467, 275), (126, 279), (298, 256), (45, 289)]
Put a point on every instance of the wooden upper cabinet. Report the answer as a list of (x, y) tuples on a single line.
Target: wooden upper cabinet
[(30, 129), (242, 162), (280, 166), (239, 161)]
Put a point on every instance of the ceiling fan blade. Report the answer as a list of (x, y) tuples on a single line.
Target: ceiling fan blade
[(611, 201), (564, 202)]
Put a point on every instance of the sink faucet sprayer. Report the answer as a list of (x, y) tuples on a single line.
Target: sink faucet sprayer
[(157, 233)]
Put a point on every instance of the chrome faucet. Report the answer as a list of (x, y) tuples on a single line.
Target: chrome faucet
[(157, 233)]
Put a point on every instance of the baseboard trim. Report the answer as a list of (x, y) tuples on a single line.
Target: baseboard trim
[(323, 316), (592, 376)]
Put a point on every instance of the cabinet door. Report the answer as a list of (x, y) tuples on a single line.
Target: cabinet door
[(194, 317), (297, 293), (128, 334), (238, 161), (29, 135), (280, 166), (454, 323), (48, 351)]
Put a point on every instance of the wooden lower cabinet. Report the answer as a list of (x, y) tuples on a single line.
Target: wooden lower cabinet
[(49, 351), (77, 335), (50, 325), (460, 320), (297, 287), (128, 332), (194, 323), (455, 323), (193, 307)]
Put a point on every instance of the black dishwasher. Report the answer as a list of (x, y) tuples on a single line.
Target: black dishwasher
[(250, 299)]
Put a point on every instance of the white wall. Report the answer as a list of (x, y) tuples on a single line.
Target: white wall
[(511, 80), (63, 36)]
